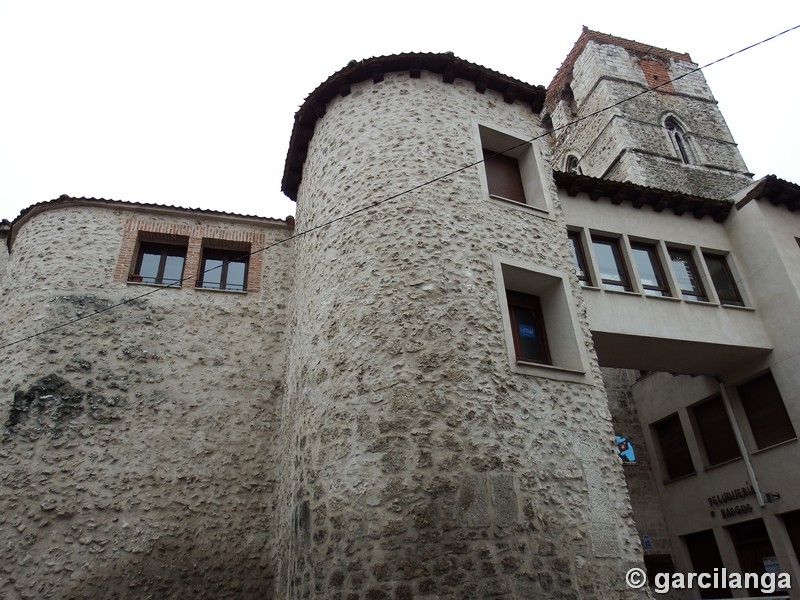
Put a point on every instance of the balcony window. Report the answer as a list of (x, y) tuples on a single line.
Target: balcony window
[(613, 274), (685, 269), (651, 275), (722, 278)]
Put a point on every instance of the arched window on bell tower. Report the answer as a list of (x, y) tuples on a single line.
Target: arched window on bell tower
[(573, 165), (678, 137)]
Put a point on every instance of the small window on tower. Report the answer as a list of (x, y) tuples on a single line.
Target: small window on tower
[(511, 168), (679, 141), (573, 164)]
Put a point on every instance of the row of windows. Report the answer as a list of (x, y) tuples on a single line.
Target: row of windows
[(766, 415), (163, 264), (612, 272)]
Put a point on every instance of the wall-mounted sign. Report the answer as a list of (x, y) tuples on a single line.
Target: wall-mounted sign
[(647, 542), (625, 450), (737, 494)]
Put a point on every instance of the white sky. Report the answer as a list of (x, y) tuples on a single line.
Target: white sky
[(191, 102)]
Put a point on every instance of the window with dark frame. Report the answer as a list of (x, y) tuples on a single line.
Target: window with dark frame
[(160, 264), (685, 269), (651, 273), (715, 431), (766, 412), (678, 138), (223, 270), (674, 449), (527, 327), (722, 278), (579, 258), (503, 176), (613, 274)]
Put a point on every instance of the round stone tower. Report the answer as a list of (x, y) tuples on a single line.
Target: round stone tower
[(445, 429)]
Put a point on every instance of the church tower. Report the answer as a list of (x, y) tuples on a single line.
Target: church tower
[(663, 128)]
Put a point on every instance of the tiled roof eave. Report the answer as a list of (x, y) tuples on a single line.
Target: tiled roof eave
[(447, 65), (623, 192)]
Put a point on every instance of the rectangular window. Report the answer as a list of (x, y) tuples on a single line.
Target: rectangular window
[(691, 288), (503, 176), (224, 270), (527, 326), (722, 278), (613, 274), (160, 263), (651, 275), (765, 411), (716, 431), (674, 449), (579, 258)]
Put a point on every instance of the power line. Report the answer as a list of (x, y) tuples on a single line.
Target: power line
[(399, 194)]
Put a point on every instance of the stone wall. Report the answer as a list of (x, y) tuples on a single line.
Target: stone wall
[(418, 464), (137, 458)]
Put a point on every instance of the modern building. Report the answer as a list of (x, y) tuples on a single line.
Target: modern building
[(424, 387)]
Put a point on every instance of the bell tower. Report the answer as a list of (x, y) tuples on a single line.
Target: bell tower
[(671, 137)]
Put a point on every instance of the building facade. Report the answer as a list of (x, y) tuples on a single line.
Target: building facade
[(413, 391)]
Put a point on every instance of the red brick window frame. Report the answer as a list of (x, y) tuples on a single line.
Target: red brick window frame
[(196, 238)]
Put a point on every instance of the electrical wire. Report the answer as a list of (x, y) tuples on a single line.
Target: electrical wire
[(398, 194)]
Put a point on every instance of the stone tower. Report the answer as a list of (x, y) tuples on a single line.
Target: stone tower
[(433, 447), (673, 137)]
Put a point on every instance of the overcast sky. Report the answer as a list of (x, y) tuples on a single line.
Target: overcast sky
[(191, 103)]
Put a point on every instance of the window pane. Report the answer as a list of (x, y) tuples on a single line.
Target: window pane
[(578, 259), (212, 273), (674, 450), (649, 272), (609, 262), (723, 280), (716, 432), (173, 270), (149, 267), (235, 276), (529, 335), (686, 274), (765, 411)]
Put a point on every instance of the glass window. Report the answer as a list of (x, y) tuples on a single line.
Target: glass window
[(224, 270), (651, 275), (527, 326), (609, 260), (716, 431), (674, 449), (722, 279), (160, 264), (579, 258), (691, 288), (678, 138), (766, 412)]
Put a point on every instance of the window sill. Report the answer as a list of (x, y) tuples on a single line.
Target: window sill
[(594, 288), (681, 478), (157, 285), (783, 443), (549, 371), (542, 212), (669, 298), (734, 307), (722, 464), (623, 292), (205, 289)]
